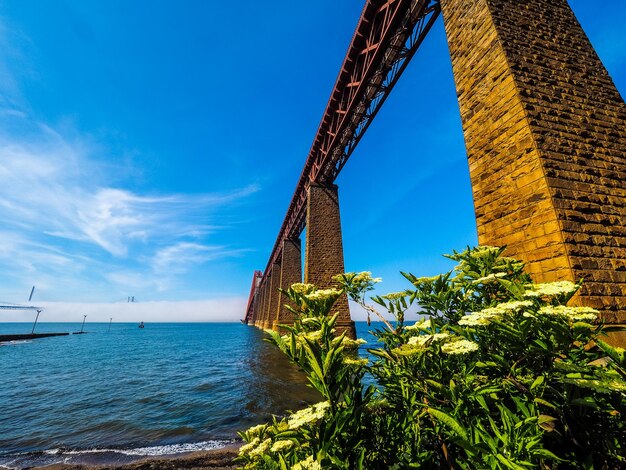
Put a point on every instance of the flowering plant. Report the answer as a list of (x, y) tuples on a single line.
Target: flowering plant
[(500, 373)]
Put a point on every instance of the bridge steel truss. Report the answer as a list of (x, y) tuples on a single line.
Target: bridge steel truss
[(387, 36)]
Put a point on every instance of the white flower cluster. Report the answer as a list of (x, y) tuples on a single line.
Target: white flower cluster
[(308, 415), (458, 345), (307, 464), (355, 362), (420, 325), (300, 337), (395, 295), (322, 294), (260, 449), (424, 280), (551, 289), (357, 283), (450, 344), (570, 313), (487, 315), (303, 289), (366, 277), (256, 448), (281, 445), (493, 277), (256, 430), (249, 446), (351, 343), (421, 340)]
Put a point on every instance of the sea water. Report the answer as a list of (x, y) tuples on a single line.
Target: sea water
[(115, 395)]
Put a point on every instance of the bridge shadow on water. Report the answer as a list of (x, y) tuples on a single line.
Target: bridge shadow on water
[(274, 385)]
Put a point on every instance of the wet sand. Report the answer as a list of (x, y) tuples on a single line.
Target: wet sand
[(218, 459)]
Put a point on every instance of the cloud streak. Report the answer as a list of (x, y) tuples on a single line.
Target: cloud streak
[(223, 309), (69, 226), (58, 214)]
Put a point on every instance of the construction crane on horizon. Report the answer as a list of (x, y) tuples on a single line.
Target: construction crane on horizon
[(11, 306)]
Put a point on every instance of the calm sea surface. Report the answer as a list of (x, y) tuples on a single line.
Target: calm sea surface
[(114, 396)]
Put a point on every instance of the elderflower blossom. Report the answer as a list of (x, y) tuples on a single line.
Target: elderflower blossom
[(487, 315), (421, 340), (255, 430), (395, 295), (551, 289), (352, 343), (311, 336), (323, 294), (261, 448), (571, 313), (307, 464), (483, 317), (308, 415), (362, 281), (516, 305), (303, 289), (459, 346), (422, 325), (249, 446), (366, 277), (424, 280), (355, 362), (281, 445), (489, 278)]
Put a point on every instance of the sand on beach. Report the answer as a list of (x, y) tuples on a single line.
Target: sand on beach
[(218, 459)]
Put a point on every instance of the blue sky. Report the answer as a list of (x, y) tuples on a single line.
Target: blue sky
[(150, 148)]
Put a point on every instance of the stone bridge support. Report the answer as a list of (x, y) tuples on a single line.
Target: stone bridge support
[(324, 248), (290, 273), (258, 317), (274, 294), (545, 131)]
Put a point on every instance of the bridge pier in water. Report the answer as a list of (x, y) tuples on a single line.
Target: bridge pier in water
[(324, 248), (290, 273), (545, 131), (274, 295), (323, 260)]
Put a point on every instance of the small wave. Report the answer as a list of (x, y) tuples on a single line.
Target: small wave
[(152, 451), (205, 387), (104, 456), (15, 343)]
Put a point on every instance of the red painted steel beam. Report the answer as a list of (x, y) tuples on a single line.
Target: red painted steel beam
[(387, 36), (256, 279)]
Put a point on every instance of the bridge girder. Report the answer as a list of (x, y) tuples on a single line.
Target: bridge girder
[(387, 36)]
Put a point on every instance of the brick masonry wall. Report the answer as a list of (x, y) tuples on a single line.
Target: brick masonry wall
[(545, 131), (274, 296), (324, 247), (290, 273), (264, 297)]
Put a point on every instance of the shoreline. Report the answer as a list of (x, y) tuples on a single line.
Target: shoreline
[(215, 459)]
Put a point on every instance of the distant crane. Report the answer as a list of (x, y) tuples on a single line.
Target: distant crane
[(25, 307)]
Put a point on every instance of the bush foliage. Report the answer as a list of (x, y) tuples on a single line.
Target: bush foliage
[(500, 373)]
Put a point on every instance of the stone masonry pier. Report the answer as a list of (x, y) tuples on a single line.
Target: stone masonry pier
[(545, 132)]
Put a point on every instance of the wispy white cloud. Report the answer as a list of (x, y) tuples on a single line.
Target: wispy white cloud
[(66, 221), (224, 309), (57, 213)]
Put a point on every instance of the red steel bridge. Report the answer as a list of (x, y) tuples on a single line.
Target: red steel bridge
[(545, 134), (387, 36)]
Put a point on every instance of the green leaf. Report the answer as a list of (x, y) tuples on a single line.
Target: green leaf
[(617, 354), (508, 463), (538, 381), (449, 421), (547, 422)]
